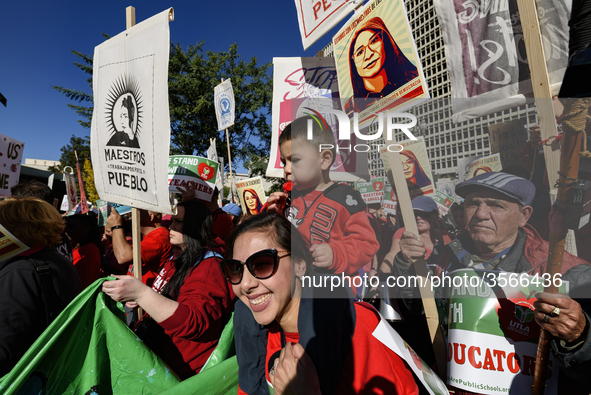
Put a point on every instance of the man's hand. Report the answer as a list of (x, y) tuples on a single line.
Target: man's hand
[(276, 201), (322, 254), (567, 324), (114, 219), (535, 136), (411, 248), (294, 372)]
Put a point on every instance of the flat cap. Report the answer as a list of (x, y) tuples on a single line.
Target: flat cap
[(513, 187)]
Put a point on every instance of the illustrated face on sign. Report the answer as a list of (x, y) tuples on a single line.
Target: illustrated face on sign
[(127, 116), (408, 165), (251, 200), (124, 110), (368, 53)]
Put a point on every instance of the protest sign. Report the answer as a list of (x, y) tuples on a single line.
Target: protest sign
[(70, 181), (416, 166), (371, 192), (10, 245), (64, 206), (390, 201), (464, 167), (317, 17), (303, 86), (212, 154), (493, 342), (223, 99), (377, 61), (486, 55), (130, 130), (484, 165), (443, 201), (448, 187), (508, 139), (11, 156), (251, 194), (200, 173)]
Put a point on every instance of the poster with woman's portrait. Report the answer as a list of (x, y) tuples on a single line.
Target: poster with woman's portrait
[(416, 167), (252, 195), (484, 165), (378, 66)]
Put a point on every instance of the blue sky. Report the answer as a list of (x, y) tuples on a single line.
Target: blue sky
[(37, 37)]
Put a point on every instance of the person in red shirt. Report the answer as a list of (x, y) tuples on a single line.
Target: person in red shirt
[(155, 245), (83, 231), (190, 300), (292, 341)]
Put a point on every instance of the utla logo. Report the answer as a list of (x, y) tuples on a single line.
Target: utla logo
[(523, 312), (205, 171), (378, 186)]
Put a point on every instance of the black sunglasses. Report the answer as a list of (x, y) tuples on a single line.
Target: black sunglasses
[(261, 265)]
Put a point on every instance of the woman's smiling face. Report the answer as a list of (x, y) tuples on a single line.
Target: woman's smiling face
[(270, 299)]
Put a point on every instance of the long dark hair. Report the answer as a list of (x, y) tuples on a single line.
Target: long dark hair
[(256, 195), (398, 68), (197, 239), (279, 229)]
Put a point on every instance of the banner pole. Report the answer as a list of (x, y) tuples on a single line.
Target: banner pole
[(432, 316), (230, 164), (135, 212), (568, 162)]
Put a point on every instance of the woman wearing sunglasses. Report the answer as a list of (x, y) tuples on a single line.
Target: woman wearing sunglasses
[(289, 338), (190, 300)]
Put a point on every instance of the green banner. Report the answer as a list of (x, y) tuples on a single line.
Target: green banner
[(89, 349)]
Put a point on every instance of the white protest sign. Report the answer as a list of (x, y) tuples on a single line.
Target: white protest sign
[(70, 181), (130, 132), (223, 99), (11, 155), (317, 17), (212, 154)]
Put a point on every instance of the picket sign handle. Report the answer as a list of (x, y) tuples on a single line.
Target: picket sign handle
[(230, 164), (427, 296), (135, 212)]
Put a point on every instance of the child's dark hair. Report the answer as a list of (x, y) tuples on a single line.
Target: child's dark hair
[(321, 133)]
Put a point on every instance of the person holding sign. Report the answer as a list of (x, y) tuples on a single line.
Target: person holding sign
[(497, 237), (377, 65), (291, 340), (190, 302), (330, 216)]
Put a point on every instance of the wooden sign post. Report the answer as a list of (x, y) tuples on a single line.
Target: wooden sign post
[(427, 296), (232, 187), (135, 212)]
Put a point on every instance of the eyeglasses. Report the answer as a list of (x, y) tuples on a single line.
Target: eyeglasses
[(373, 43), (261, 265)]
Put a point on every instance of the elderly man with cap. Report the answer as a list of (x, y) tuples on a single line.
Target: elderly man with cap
[(497, 208)]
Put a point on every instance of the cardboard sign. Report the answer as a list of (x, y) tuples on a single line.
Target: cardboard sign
[(484, 165), (303, 86), (130, 130), (317, 17), (443, 201), (508, 139), (251, 194), (371, 192), (223, 99), (378, 42), (185, 170), (11, 156), (416, 167), (9, 245), (390, 200)]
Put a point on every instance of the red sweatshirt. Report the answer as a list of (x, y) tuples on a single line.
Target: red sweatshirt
[(337, 217), (371, 367), (205, 305), (156, 251)]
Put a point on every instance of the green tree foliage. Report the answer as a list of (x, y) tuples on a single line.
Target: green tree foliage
[(193, 75), (79, 144)]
